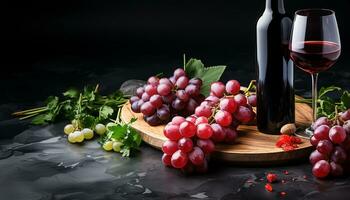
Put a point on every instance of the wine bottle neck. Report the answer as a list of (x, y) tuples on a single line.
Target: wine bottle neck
[(275, 6)]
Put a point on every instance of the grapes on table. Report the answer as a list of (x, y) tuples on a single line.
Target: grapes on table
[(191, 140), (332, 141)]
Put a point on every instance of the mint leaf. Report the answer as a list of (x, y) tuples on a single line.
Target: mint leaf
[(195, 69)]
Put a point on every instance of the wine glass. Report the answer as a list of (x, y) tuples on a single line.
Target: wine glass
[(314, 47)]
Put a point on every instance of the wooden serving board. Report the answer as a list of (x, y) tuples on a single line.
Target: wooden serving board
[(251, 147)]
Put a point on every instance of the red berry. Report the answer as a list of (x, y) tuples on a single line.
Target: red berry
[(271, 178), (231, 135), (268, 187)]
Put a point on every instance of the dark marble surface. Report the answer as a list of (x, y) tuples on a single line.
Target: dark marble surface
[(38, 163)]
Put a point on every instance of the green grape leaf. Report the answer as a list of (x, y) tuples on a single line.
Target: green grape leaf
[(195, 69)]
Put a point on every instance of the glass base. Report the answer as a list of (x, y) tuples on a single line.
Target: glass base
[(307, 133)]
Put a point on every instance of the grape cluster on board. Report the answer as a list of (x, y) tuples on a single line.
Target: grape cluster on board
[(332, 142), (191, 140), (160, 99)]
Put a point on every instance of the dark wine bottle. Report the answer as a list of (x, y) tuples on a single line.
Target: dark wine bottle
[(275, 76)]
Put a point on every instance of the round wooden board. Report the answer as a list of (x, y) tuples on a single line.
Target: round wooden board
[(251, 147)]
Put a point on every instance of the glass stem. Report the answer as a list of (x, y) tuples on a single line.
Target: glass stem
[(314, 77)]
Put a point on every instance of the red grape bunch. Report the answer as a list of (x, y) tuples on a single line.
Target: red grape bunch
[(162, 98), (332, 143), (191, 140)]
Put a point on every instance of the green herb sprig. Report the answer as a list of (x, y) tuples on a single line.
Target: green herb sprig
[(331, 100), (87, 107)]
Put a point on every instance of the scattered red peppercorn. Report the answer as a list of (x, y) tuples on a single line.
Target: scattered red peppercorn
[(268, 187), (305, 177), (288, 143), (283, 181), (271, 178), (286, 172), (283, 193)]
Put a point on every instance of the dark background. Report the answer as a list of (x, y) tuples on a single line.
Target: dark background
[(51, 45)]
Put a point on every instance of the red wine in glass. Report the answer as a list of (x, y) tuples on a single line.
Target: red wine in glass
[(315, 56)]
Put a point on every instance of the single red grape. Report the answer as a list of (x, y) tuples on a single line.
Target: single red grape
[(204, 131), (204, 111), (338, 155), (337, 134), (147, 109), (188, 129), (336, 169), (185, 145), (252, 100), (166, 159), (163, 89), (172, 132), (206, 145), (321, 169), (169, 147), (219, 134), (182, 82), (316, 156), (228, 104), (179, 159), (200, 120), (177, 120), (223, 118), (243, 114), (196, 156), (240, 99), (324, 147), (218, 89), (178, 73), (231, 135), (153, 80), (156, 100), (232, 87), (321, 132)]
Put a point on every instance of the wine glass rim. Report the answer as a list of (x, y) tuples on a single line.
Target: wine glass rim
[(314, 12)]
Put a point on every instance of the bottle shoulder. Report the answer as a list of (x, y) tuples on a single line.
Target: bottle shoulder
[(274, 18)]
